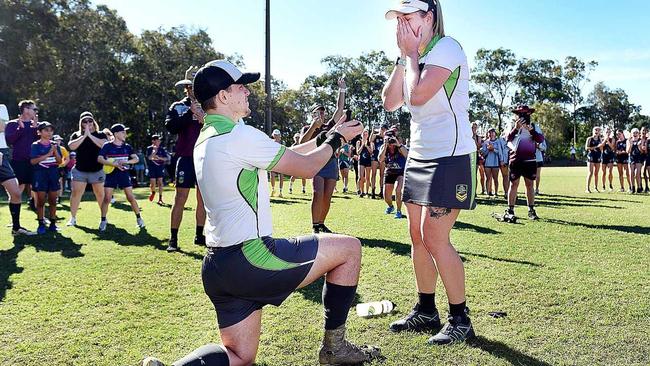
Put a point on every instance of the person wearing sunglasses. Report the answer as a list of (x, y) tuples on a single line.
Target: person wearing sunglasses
[(20, 133)]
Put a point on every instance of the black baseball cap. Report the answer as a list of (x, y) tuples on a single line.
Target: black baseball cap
[(218, 75), (44, 125), (118, 127), (86, 114), (316, 106)]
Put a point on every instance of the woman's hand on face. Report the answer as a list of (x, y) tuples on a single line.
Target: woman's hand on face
[(408, 39)]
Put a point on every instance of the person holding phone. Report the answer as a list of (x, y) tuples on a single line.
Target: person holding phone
[(523, 140), (20, 133), (607, 160), (325, 181), (185, 119), (635, 150), (622, 160), (431, 77), (594, 146)]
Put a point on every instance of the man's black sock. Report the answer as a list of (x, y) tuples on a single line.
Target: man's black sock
[(427, 302), (199, 230), (337, 300), (210, 354), (457, 310), (174, 233), (14, 209)]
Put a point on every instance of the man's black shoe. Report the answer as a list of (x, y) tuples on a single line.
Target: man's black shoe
[(173, 245), (532, 215), (457, 329), (417, 321), (199, 240), (324, 229)]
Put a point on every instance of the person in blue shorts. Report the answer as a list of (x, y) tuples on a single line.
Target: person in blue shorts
[(157, 157), (45, 157), (116, 156)]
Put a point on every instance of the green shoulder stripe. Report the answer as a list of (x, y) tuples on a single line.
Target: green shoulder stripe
[(247, 184), (260, 256), (452, 82), (277, 158)]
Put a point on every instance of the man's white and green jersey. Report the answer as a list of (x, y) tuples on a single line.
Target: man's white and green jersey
[(231, 160)]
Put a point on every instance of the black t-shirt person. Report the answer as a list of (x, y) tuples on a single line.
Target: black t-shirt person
[(88, 152)]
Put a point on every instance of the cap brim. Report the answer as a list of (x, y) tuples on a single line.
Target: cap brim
[(185, 82), (248, 78), (400, 10)]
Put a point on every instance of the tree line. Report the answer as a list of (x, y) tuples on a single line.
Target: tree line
[(71, 56)]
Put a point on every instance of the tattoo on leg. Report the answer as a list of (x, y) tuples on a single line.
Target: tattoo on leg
[(438, 212)]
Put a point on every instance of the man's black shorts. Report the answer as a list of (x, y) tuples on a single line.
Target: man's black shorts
[(23, 170), (392, 177), (241, 279), (185, 174), (6, 172), (526, 169)]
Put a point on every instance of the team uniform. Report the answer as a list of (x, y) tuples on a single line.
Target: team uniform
[(112, 152), (156, 168), (330, 170), (379, 141), (522, 143), (6, 172), (180, 120), (622, 157), (245, 268), (608, 154), (344, 160), (594, 156), (20, 140), (441, 168), (45, 173), (365, 157), (395, 165), (635, 154)]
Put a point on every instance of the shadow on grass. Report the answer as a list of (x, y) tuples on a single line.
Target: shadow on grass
[(589, 199), (141, 239), (620, 228), (393, 246), (50, 242), (544, 201), (314, 292), (507, 260), (505, 352), (479, 229)]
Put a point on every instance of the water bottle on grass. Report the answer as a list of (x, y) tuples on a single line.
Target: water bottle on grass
[(371, 309)]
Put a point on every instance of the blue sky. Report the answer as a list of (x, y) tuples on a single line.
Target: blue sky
[(616, 34)]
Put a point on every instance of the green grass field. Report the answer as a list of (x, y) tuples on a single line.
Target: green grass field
[(576, 285)]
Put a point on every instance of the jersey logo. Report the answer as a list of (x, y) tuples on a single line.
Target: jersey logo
[(461, 192)]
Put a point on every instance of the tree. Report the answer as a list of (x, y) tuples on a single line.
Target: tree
[(555, 123), (495, 74), (576, 75), (539, 81), (612, 107)]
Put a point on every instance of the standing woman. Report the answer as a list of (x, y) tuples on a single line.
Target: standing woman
[(492, 158), (593, 146), (609, 146), (344, 156), (432, 78), (365, 148), (481, 159), (634, 149), (86, 142), (622, 159), (645, 147)]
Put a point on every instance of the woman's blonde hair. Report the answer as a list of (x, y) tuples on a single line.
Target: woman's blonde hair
[(438, 20)]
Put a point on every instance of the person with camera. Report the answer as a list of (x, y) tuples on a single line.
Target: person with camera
[(247, 268), (523, 140), (185, 119), (20, 133), (8, 178), (594, 147), (86, 143), (325, 181), (431, 77), (491, 151), (393, 154)]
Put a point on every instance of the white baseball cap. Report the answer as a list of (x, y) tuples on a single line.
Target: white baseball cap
[(410, 6), (276, 132), (4, 114)]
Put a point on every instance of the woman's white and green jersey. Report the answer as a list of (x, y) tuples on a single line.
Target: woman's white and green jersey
[(231, 160)]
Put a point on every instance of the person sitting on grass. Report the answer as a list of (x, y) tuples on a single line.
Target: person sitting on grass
[(116, 157), (45, 157)]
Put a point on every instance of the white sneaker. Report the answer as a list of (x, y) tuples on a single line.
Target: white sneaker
[(140, 222), (112, 200), (102, 225), (72, 222), (22, 231)]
